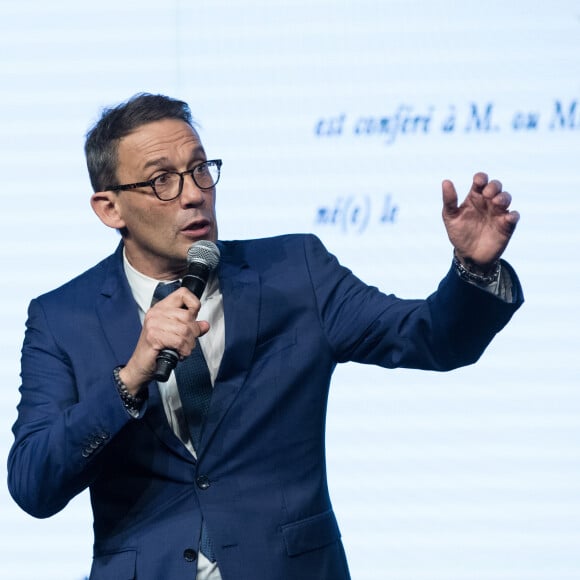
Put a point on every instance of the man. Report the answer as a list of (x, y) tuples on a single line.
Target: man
[(245, 498)]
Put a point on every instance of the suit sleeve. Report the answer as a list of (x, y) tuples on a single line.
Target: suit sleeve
[(451, 328), (59, 438)]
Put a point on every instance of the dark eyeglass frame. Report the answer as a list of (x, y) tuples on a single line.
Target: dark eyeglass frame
[(151, 182)]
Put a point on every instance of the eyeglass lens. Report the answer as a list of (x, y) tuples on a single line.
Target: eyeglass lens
[(169, 185)]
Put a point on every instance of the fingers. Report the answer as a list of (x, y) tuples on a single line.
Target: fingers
[(483, 186), (480, 180), (179, 333), (172, 323), (511, 219), (491, 191), (181, 298), (501, 200)]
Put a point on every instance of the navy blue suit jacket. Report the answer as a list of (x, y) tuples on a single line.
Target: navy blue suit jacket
[(291, 314)]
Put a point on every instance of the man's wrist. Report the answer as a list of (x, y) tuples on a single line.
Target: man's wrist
[(482, 276), (131, 402)]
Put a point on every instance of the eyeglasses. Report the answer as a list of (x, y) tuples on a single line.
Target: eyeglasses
[(169, 185)]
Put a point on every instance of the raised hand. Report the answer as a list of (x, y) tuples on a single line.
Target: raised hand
[(481, 227)]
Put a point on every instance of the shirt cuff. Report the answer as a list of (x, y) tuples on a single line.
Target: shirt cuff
[(501, 287)]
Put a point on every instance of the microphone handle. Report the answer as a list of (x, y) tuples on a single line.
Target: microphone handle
[(167, 358), (166, 361)]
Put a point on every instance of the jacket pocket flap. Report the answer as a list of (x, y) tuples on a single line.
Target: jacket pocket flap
[(118, 565), (310, 533)]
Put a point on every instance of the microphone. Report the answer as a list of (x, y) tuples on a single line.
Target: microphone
[(202, 258)]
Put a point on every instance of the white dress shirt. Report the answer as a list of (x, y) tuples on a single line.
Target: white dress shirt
[(212, 345)]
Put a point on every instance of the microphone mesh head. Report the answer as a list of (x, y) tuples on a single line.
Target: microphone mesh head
[(204, 252)]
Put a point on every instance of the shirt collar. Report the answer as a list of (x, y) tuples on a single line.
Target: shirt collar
[(143, 286)]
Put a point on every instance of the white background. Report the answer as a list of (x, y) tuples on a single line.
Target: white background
[(470, 475)]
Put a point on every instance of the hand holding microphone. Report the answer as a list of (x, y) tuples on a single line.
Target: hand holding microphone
[(202, 258)]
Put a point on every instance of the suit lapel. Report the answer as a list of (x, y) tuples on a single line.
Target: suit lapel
[(117, 310), (119, 317), (240, 287)]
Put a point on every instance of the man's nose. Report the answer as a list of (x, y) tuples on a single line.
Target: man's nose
[(191, 194)]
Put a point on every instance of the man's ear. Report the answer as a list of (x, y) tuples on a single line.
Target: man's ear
[(105, 205)]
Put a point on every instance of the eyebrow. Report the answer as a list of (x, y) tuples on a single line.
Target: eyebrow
[(164, 161)]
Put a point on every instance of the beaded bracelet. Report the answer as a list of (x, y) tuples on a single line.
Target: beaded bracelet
[(131, 402), (474, 277)]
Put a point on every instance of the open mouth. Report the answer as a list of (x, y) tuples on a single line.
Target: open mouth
[(197, 228)]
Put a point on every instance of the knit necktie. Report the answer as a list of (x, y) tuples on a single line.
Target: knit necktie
[(195, 389)]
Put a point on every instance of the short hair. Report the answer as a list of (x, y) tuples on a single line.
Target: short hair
[(102, 140)]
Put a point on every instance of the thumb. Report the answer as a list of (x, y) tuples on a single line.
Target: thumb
[(449, 197), (203, 327)]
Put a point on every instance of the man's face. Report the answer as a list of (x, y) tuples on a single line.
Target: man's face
[(157, 234)]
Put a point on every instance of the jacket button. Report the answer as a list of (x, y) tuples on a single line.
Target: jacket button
[(189, 555), (202, 482)]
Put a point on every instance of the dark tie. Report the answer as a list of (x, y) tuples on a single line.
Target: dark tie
[(195, 389)]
